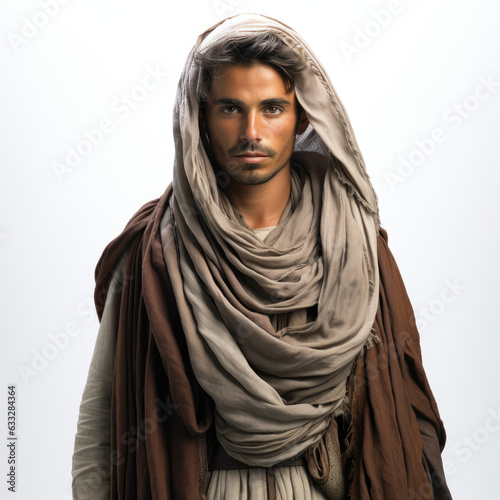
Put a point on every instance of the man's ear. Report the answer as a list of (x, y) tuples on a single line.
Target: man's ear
[(302, 122)]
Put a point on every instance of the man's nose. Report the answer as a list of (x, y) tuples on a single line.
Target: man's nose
[(251, 127)]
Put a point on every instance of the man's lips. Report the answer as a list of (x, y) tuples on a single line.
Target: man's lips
[(251, 157), (251, 154)]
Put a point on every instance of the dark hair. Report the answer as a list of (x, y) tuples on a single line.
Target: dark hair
[(263, 48)]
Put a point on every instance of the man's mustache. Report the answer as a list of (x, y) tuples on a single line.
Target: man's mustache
[(246, 147)]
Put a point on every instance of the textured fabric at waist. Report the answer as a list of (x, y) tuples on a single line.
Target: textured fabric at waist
[(220, 460)]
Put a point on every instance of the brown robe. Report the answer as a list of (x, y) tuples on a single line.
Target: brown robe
[(160, 416)]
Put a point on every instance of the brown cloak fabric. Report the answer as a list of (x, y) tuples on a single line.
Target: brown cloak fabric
[(160, 415)]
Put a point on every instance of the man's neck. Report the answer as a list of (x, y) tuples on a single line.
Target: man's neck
[(261, 205)]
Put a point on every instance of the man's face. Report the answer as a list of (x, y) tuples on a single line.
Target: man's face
[(251, 122)]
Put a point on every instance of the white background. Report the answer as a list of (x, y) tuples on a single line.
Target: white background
[(415, 71)]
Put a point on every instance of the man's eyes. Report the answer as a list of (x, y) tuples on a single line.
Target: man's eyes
[(231, 110), (274, 110)]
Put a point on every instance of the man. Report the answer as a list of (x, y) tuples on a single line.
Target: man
[(256, 338)]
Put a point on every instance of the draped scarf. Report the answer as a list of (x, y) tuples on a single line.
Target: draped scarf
[(274, 391)]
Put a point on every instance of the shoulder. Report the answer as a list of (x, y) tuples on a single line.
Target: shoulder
[(128, 244)]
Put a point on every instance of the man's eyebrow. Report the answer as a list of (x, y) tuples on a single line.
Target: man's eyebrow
[(237, 102), (226, 100), (275, 100)]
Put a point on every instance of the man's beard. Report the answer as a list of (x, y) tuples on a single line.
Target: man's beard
[(249, 174)]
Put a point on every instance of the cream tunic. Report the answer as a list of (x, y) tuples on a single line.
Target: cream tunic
[(292, 483)]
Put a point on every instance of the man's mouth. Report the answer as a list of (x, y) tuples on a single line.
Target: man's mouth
[(251, 154), (251, 157)]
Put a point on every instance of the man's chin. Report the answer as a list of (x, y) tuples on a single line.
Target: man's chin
[(252, 176)]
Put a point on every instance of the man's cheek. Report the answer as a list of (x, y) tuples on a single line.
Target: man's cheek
[(219, 152)]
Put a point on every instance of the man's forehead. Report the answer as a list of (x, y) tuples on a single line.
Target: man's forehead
[(253, 81)]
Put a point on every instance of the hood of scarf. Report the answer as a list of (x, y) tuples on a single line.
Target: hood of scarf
[(274, 391)]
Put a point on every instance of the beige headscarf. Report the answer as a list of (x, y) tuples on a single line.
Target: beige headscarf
[(274, 390)]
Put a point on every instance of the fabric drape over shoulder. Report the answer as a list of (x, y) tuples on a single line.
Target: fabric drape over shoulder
[(159, 414)]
